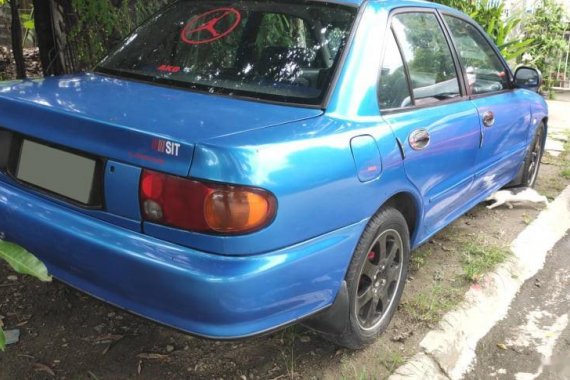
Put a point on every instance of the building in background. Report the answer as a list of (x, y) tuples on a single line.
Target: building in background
[(512, 7)]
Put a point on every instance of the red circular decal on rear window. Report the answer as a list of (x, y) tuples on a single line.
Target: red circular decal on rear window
[(211, 26)]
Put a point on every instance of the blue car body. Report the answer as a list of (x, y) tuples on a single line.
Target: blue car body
[(329, 167)]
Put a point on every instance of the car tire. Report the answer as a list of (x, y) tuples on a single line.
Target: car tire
[(375, 279), (532, 160)]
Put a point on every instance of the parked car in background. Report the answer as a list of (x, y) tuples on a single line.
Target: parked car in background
[(235, 167)]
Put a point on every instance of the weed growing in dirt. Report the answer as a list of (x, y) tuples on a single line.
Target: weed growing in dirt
[(289, 360), (392, 360), (361, 374), (565, 173), (479, 258), (430, 304), (288, 337), (526, 219), (419, 257)]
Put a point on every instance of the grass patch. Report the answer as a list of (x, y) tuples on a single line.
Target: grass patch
[(389, 361), (480, 258), (419, 257), (357, 374), (392, 360), (430, 304), (565, 173)]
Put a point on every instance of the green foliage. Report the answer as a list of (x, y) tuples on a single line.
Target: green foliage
[(392, 360), (101, 25), (480, 258), (29, 25), (28, 21), (431, 303), (430, 51), (2, 339), (280, 34), (489, 14), (546, 27), (419, 257), (541, 36), (22, 262)]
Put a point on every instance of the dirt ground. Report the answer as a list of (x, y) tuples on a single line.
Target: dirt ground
[(7, 68), (68, 335)]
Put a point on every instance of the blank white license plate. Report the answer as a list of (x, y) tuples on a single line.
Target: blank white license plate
[(57, 171)]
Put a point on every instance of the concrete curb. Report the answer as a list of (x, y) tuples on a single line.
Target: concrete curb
[(449, 351)]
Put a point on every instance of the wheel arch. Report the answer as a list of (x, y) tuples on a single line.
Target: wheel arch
[(544, 121), (407, 204), (330, 321)]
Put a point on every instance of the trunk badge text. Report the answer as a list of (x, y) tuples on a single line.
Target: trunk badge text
[(167, 147)]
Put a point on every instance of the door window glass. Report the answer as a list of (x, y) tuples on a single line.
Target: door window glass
[(394, 91), (484, 70), (428, 57)]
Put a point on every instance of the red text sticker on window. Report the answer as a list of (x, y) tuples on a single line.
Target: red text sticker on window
[(169, 69), (211, 26)]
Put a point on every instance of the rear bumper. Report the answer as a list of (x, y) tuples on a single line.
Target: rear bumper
[(208, 295)]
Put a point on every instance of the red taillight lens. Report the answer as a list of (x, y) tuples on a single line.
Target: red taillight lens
[(204, 207)]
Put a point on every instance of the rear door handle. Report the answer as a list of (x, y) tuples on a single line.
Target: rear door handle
[(488, 119), (419, 139)]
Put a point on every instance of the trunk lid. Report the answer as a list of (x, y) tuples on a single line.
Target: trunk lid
[(141, 124)]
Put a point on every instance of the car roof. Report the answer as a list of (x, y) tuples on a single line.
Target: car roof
[(411, 3), (390, 4)]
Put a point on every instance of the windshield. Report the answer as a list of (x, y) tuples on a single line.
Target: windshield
[(280, 51)]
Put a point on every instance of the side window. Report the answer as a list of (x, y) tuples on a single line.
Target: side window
[(428, 57), (394, 91), (484, 70)]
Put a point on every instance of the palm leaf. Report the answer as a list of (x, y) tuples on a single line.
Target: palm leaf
[(23, 261), (515, 49), (525, 42), (2, 340)]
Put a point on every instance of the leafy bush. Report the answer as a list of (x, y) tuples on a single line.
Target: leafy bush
[(546, 27), (100, 25), (490, 15)]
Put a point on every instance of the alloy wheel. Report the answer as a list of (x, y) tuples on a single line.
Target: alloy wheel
[(379, 279)]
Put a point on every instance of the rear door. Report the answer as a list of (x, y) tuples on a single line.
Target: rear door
[(504, 112), (424, 101)]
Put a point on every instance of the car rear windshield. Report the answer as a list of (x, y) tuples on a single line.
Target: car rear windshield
[(277, 51)]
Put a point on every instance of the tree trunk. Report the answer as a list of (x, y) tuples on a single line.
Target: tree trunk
[(17, 47), (51, 63)]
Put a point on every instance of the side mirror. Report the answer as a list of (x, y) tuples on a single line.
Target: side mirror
[(528, 78)]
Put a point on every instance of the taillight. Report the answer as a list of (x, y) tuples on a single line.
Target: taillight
[(204, 207)]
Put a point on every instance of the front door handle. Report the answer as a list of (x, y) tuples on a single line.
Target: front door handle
[(488, 119), (419, 139)]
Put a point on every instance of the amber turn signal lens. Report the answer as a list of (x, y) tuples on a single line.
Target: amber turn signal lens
[(238, 210)]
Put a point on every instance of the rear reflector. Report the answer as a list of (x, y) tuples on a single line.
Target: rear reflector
[(204, 207)]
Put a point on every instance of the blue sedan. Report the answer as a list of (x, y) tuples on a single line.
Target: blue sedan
[(236, 167)]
